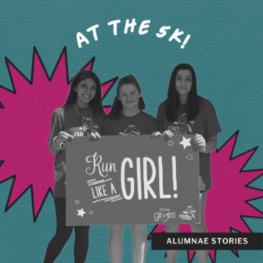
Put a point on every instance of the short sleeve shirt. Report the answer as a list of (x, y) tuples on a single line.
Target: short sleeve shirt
[(206, 123), (66, 119)]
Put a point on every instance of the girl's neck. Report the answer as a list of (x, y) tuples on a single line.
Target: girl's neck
[(183, 99), (81, 104), (130, 112)]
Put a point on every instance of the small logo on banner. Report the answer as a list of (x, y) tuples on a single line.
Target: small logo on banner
[(188, 214), (163, 214)]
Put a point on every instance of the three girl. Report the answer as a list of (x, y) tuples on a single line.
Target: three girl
[(183, 112)]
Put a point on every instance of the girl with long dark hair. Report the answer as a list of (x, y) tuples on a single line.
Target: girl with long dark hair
[(184, 112), (81, 115), (127, 118)]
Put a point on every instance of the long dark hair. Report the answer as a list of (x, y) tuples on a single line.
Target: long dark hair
[(172, 106), (96, 102), (117, 105)]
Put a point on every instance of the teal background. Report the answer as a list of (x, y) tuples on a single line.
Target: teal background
[(225, 49)]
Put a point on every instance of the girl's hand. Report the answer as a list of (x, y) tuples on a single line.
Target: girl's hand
[(155, 135), (63, 137), (58, 142), (201, 184), (95, 135), (199, 142), (167, 135)]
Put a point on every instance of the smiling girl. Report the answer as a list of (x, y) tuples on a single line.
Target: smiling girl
[(127, 118), (81, 115), (184, 112)]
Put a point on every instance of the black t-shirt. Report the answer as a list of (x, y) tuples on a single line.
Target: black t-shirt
[(206, 123)]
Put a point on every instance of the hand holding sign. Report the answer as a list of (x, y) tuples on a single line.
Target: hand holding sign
[(95, 135), (198, 143), (63, 137), (167, 135), (155, 135)]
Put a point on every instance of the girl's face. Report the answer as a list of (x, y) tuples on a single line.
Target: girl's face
[(86, 91), (183, 82), (129, 96)]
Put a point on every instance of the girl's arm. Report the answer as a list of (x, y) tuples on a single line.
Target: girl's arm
[(62, 137), (211, 144), (54, 147), (205, 146)]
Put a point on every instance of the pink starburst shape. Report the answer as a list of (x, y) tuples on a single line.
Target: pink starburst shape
[(227, 203), (25, 112)]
